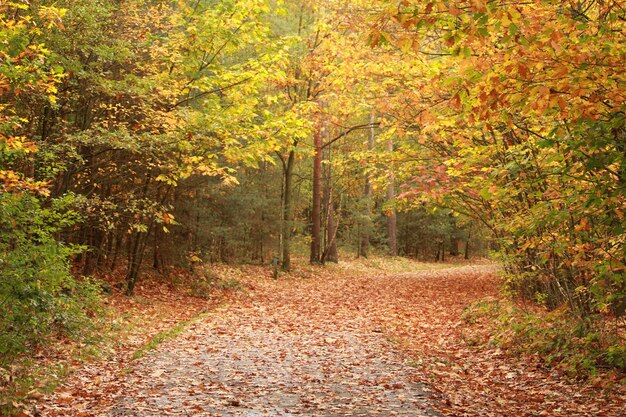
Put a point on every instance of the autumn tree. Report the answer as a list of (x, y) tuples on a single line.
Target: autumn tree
[(523, 113), (40, 297)]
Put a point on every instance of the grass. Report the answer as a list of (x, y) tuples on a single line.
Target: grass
[(161, 337), (390, 265), (174, 331), (122, 330)]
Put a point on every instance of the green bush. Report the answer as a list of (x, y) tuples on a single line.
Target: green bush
[(561, 339), (39, 297)]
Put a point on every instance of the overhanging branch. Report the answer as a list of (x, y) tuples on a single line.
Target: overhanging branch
[(351, 129)]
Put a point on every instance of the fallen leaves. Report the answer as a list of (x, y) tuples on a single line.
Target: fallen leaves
[(333, 342)]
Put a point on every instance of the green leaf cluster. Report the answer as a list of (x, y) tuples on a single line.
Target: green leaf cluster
[(39, 296)]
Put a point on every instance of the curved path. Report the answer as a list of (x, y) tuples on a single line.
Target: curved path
[(299, 347)]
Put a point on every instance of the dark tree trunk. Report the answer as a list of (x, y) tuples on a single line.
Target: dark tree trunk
[(330, 252), (287, 211), (441, 251), (454, 246), (136, 248), (119, 241), (316, 213), (92, 259), (135, 256), (157, 256), (108, 249), (330, 246), (467, 243)]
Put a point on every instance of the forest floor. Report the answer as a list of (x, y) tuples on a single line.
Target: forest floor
[(345, 340)]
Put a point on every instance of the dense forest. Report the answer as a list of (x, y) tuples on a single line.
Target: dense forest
[(155, 135)]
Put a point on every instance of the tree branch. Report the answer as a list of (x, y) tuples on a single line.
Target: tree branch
[(204, 93), (353, 128)]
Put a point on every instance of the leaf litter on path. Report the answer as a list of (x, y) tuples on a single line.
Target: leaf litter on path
[(334, 344)]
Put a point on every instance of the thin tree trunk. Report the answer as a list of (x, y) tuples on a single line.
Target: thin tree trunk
[(391, 214), (136, 249), (365, 233), (108, 249), (287, 211), (119, 241), (134, 260), (157, 257), (96, 241), (330, 246), (282, 215), (316, 215), (466, 252), (330, 252)]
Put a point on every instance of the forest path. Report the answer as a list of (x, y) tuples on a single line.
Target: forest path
[(319, 346)]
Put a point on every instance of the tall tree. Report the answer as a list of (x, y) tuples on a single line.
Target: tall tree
[(316, 210), (364, 243), (391, 212)]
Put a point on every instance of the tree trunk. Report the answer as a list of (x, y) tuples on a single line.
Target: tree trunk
[(316, 213), (391, 214), (330, 247), (466, 251), (119, 241), (136, 248), (455, 242), (287, 211), (96, 240), (330, 252), (364, 245), (108, 250), (157, 256), (135, 256)]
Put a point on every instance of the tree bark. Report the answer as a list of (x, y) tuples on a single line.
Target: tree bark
[(137, 248), (157, 256), (467, 242), (364, 244), (330, 252), (135, 258), (287, 211), (119, 242), (330, 246), (391, 214), (316, 213)]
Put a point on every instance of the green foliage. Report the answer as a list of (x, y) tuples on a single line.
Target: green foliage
[(39, 297), (582, 347), (423, 233), (243, 223), (230, 284)]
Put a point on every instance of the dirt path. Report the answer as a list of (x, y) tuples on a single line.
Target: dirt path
[(335, 345), (293, 347), (252, 362)]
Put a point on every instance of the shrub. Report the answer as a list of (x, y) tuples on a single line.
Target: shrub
[(39, 297), (579, 346)]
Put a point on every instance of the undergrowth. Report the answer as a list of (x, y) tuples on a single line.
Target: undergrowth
[(582, 348), (206, 282)]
